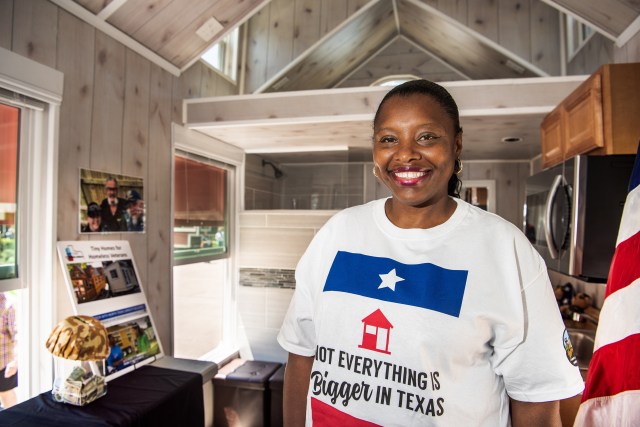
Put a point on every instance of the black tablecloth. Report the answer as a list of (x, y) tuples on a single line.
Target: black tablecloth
[(148, 396)]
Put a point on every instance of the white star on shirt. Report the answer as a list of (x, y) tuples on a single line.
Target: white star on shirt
[(389, 280)]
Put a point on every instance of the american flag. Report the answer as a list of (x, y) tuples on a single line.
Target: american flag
[(612, 390)]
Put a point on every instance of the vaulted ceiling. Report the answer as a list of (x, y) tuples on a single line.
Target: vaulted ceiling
[(174, 33), (177, 32)]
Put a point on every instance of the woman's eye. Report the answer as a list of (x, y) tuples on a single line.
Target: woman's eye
[(387, 139), (428, 137)]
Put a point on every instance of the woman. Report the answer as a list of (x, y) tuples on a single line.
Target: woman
[(422, 309)]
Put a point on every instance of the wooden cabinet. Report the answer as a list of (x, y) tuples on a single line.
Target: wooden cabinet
[(601, 116), (552, 138), (583, 118)]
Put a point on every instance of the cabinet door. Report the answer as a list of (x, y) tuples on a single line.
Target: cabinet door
[(583, 118), (551, 138)]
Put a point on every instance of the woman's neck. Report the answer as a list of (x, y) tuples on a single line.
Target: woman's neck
[(428, 216)]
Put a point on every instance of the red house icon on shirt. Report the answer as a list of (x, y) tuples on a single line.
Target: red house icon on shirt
[(375, 335)]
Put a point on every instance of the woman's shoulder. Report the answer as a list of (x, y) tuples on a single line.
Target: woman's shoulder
[(491, 224), (353, 217)]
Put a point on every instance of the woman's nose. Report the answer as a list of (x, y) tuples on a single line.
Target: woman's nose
[(407, 151)]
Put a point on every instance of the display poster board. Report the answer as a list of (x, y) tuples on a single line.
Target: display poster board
[(103, 282), (111, 203)]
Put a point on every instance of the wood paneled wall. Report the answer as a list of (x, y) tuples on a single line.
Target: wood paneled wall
[(401, 57), (284, 29), (116, 117), (529, 28), (630, 52), (600, 50)]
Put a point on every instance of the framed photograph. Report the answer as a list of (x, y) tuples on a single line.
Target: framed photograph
[(111, 203)]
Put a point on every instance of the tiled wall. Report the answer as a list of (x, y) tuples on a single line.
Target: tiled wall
[(331, 185), (271, 243), (268, 278), (322, 186)]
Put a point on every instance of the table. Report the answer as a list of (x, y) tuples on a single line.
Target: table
[(147, 396)]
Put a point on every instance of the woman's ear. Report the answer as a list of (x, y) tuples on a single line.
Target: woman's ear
[(458, 144)]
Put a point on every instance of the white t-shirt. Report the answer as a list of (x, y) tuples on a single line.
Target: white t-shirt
[(430, 326)]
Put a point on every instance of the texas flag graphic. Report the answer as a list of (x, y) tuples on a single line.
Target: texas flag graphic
[(425, 285), (325, 415)]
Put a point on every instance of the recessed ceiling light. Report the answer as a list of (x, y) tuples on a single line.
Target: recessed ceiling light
[(511, 139)]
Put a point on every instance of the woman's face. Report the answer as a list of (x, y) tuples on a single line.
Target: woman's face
[(414, 149)]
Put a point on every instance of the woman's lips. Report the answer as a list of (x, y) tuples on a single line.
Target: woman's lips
[(409, 176)]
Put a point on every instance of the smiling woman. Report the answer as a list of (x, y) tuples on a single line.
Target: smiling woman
[(423, 281)]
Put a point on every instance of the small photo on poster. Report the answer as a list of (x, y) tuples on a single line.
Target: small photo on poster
[(101, 280), (111, 203), (132, 340)]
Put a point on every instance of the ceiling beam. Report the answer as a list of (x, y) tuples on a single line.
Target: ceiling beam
[(110, 9), (475, 98), (93, 20), (614, 19)]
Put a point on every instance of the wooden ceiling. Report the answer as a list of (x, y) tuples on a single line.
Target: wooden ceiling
[(381, 22), (167, 30)]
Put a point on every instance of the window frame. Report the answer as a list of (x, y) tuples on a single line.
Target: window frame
[(11, 283), (190, 141), (38, 88), (229, 57), (572, 43)]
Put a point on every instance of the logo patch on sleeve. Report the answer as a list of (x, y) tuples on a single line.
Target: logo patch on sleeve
[(568, 348)]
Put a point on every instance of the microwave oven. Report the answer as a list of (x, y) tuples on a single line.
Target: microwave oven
[(572, 213)]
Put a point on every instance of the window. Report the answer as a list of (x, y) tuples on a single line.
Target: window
[(29, 104), (200, 210), (577, 34), (223, 56), (9, 125), (204, 287)]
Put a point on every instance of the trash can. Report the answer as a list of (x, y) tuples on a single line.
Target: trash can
[(241, 396), (275, 387), (207, 369)]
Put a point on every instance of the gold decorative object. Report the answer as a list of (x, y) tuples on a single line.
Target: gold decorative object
[(79, 338), (77, 343)]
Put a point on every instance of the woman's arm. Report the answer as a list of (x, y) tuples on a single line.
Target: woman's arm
[(544, 414), (297, 375)]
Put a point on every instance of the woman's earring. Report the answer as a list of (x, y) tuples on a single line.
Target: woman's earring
[(374, 172), (458, 167)]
